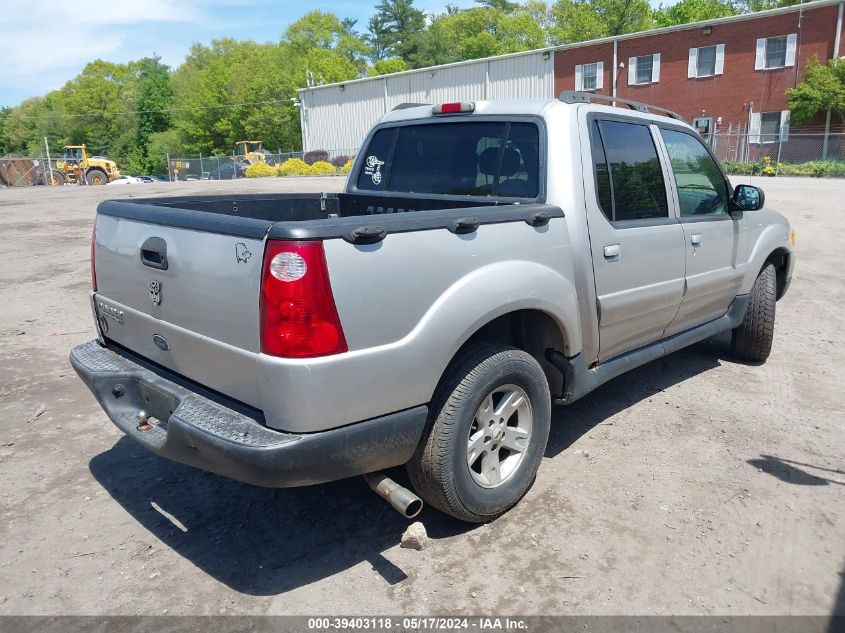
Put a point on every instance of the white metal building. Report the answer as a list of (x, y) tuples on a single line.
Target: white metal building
[(338, 116)]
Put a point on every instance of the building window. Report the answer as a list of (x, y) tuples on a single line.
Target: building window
[(644, 69), (589, 76), (588, 79), (706, 61), (776, 52), (645, 64), (769, 127)]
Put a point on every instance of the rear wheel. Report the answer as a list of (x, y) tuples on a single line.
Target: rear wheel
[(487, 433), (752, 340), (96, 177)]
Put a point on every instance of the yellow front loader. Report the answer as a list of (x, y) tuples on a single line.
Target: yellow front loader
[(76, 166), (253, 151)]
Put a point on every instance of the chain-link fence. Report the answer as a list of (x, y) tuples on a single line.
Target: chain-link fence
[(786, 153), (199, 167)]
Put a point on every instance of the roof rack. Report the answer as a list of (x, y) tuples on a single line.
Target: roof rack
[(405, 106), (576, 96)]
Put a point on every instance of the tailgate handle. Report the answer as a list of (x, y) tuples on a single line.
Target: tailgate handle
[(154, 253)]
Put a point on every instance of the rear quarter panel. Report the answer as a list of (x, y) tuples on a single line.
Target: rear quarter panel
[(407, 304)]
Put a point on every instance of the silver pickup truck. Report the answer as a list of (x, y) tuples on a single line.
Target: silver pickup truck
[(485, 261)]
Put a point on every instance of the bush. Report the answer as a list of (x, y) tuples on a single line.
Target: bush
[(322, 168), (766, 167), (315, 156), (817, 168), (347, 167), (293, 167), (260, 170), (340, 160)]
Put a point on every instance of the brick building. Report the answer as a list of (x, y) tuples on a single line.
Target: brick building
[(727, 74)]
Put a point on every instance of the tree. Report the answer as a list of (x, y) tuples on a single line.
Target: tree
[(95, 104), (153, 99), (823, 90), (395, 29), (687, 11), (580, 20), (317, 29), (478, 32), (387, 66), (5, 145), (505, 6)]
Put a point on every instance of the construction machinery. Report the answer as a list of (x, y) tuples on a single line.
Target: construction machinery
[(252, 151), (76, 166)]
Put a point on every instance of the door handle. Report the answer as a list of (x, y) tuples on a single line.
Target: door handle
[(695, 239), (611, 252)]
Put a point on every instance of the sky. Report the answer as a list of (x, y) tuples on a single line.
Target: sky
[(45, 43)]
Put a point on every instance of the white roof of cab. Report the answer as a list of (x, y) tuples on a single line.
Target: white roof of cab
[(505, 107)]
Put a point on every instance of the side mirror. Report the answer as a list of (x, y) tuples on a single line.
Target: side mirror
[(748, 198)]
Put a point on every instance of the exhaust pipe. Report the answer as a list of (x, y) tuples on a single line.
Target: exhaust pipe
[(403, 500)]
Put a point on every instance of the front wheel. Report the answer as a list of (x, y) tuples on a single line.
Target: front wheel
[(488, 429), (55, 178), (752, 340)]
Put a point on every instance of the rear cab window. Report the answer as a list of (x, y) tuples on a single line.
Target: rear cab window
[(458, 158)]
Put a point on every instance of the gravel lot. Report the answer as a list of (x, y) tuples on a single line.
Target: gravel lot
[(693, 485)]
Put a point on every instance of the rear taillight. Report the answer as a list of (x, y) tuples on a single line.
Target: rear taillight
[(93, 264), (298, 313)]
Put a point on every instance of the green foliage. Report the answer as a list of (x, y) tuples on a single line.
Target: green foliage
[(293, 167), (687, 11), (395, 30), (5, 147), (580, 20), (322, 168), (154, 96), (387, 66), (823, 89), (260, 170), (765, 166), (482, 32), (347, 167)]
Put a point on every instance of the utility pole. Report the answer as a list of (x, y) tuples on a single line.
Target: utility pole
[(49, 162)]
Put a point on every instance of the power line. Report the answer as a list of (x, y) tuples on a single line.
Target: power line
[(161, 111)]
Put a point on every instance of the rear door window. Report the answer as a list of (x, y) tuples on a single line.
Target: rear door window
[(635, 175), (467, 158)]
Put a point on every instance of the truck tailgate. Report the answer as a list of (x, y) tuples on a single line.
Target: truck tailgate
[(185, 299)]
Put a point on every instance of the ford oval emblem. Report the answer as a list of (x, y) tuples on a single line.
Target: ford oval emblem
[(161, 342)]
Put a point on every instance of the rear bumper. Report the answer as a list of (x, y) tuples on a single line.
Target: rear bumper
[(202, 429)]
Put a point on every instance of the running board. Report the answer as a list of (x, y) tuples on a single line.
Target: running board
[(579, 380)]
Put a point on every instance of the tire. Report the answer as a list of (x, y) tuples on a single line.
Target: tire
[(96, 177), (55, 179), (752, 340), (442, 470)]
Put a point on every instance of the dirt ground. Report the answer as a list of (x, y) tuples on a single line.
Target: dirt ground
[(693, 485)]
